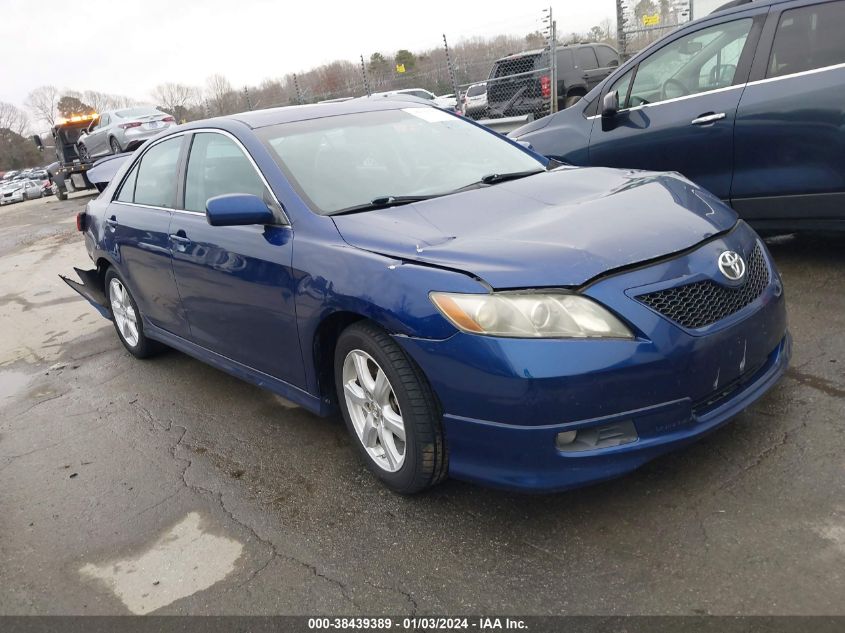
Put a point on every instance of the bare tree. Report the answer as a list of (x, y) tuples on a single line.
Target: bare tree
[(220, 94), (43, 103), (176, 98), (13, 118)]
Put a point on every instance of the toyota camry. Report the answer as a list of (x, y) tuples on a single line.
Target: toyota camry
[(489, 315)]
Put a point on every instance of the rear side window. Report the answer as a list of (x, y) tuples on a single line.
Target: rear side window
[(607, 56), (585, 58), (516, 65), (127, 190), (217, 166), (155, 183), (807, 38)]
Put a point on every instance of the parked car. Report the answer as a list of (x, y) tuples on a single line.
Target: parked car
[(122, 130), (747, 102), (20, 190), (580, 67), (445, 102), (482, 314), (474, 104), (10, 174)]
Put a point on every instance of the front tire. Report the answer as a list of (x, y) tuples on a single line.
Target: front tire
[(389, 409), (127, 318)]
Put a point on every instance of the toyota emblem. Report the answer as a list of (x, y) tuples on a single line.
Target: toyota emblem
[(732, 265)]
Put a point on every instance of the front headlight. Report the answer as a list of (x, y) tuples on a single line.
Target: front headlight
[(530, 315)]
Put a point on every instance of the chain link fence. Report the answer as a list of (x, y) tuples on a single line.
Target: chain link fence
[(507, 78), (642, 22)]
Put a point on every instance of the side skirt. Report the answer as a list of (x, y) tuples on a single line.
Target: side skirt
[(239, 370)]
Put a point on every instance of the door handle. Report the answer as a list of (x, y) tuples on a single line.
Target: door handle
[(704, 119), (180, 238), (112, 223)]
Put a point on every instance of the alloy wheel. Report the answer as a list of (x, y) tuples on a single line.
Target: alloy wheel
[(124, 314), (374, 410)]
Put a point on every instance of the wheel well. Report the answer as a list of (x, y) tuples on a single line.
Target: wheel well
[(577, 91), (325, 341), (102, 266)]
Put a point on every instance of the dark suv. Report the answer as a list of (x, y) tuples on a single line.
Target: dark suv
[(580, 67), (749, 102)]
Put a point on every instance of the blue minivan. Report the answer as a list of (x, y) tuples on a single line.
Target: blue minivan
[(749, 102)]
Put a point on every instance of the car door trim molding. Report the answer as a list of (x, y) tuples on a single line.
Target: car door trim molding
[(756, 82)]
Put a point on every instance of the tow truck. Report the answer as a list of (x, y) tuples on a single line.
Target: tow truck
[(70, 172)]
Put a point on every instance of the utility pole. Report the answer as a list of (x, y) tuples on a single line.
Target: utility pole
[(248, 101), (364, 75), (451, 72), (552, 43), (299, 100), (620, 27)]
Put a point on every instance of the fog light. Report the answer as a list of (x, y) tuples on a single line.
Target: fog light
[(597, 437), (567, 437)]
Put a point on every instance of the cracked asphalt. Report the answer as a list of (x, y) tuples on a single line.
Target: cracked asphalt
[(168, 487)]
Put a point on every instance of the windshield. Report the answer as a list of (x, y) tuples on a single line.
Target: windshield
[(343, 161)]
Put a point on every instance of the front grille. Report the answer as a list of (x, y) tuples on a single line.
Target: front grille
[(702, 303)]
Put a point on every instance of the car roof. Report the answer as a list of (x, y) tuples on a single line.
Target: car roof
[(287, 114)]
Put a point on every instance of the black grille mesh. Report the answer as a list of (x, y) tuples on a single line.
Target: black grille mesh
[(701, 303)]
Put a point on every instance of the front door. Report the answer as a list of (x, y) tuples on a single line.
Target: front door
[(235, 281), (677, 107)]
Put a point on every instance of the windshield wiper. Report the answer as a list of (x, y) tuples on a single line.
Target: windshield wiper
[(492, 179), (383, 202)]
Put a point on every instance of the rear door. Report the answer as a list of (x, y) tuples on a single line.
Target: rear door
[(136, 233), (790, 135), (677, 105), (235, 282), (587, 64)]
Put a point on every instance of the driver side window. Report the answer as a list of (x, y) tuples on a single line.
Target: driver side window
[(701, 61)]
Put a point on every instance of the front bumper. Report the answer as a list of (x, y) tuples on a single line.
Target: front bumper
[(506, 400), (11, 199)]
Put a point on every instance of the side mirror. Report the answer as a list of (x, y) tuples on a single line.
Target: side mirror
[(610, 105), (38, 142), (238, 209)]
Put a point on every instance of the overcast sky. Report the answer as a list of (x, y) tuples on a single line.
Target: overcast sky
[(129, 46)]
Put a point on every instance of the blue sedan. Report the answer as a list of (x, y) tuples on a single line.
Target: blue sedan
[(471, 308)]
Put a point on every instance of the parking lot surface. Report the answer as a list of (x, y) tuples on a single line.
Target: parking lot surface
[(167, 486)]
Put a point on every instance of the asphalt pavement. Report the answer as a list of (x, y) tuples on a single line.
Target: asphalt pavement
[(168, 487)]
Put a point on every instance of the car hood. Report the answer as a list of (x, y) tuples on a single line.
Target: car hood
[(558, 228)]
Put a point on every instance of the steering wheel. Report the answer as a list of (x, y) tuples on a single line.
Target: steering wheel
[(680, 89)]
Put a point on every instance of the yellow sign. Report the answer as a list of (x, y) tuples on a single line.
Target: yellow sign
[(400, 68), (651, 20)]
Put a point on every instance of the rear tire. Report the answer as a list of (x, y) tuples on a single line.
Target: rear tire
[(115, 146), (127, 318), (83, 153), (405, 401)]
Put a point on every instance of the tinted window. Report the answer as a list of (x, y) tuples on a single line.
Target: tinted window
[(156, 180), (701, 61), (133, 112), (607, 56), (585, 58), (517, 65), (104, 121), (422, 94), (127, 190), (564, 58), (807, 38), (217, 166)]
